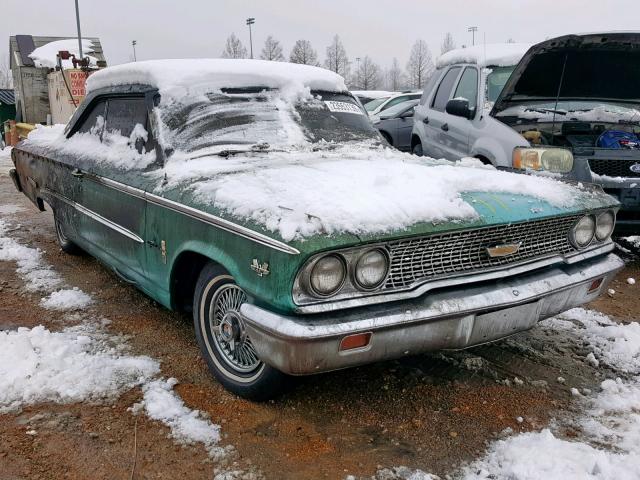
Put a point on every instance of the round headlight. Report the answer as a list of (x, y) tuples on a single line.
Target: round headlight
[(604, 225), (557, 160), (327, 275), (583, 231), (371, 269)]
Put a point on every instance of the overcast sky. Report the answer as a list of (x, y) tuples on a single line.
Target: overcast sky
[(382, 29)]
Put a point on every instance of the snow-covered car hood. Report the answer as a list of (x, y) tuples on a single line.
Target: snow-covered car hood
[(355, 193), (590, 67)]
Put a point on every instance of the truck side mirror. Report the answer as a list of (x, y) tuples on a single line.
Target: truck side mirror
[(460, 108)]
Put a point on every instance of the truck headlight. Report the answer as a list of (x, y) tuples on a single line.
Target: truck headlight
[(556, 160), (583, 231), (327, 275), (605, 223), (371, 269)]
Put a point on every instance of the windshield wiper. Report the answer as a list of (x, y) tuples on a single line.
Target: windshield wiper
[(545, 110), (257, 148)]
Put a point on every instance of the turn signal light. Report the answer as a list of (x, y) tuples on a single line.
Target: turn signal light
[(359, 340), (595, 285)]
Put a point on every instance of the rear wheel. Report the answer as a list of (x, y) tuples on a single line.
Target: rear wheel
[(417, 149), (223, 339), (66, 245)]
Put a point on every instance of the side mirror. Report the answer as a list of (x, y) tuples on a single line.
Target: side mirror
[(460, 108), (409, 113)]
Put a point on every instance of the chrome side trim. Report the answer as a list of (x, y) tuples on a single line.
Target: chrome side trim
[(196, 214), (455, 281), (222, 224), (96, 216)]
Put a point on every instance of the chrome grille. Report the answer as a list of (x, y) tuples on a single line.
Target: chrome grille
[(614, 168), (425, 258)]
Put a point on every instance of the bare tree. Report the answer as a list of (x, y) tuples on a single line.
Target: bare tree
[(420, 64), (395, 77), (337, 60), (234, 48), (6, 79), (302, 52), (272, 50), (447, 44), (367, 75)]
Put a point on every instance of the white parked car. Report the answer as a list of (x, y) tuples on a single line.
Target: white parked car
[(376, 106)]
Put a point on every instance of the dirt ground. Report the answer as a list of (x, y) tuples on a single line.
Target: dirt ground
[(431, 412)]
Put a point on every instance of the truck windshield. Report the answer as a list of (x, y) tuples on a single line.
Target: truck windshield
[(262, 117), (496, 81)]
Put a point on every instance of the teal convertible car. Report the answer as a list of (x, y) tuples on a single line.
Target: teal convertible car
[(259, 196)]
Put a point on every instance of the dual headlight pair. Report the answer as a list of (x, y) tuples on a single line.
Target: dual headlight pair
[(366, 270), (599, 226), (556, 160)]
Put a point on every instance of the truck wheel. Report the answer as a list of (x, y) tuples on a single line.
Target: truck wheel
[(66, 245), (417, 150), (224, 341)]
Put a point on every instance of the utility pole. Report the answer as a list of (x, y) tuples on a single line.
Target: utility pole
[(250, 21), (473, 31), (79, 34), (133, 44)]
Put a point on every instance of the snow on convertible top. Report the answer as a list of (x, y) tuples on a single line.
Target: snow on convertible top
[(177, 78), (489, 55)]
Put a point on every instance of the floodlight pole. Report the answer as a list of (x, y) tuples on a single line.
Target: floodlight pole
[(79, 34), (133, 44), (473, 31), (250, 21)]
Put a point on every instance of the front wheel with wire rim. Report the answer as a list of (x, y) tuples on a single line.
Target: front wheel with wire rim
[(223, 339)]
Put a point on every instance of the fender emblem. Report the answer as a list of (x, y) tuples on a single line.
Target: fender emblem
[(635, 168), (262, 269), (503, 250)]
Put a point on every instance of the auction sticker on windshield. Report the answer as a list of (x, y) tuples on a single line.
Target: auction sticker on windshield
[(343, 107)]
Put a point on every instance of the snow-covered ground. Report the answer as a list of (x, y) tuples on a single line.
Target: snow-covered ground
[(608, 446), (83, 362)]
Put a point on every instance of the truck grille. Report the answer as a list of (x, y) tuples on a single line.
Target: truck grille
[(425, 258), (614, 168)]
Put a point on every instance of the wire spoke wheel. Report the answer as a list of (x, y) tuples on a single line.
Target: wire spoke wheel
[(228, 330)]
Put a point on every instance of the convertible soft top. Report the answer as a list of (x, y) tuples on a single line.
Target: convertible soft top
[(191, 76)]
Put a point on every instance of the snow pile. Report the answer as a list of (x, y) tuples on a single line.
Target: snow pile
[(614, 345), (37, 365), (178, 78), (30, 265), (489, 55), (46, 55), (113, 149), (187, 426), (354, 190), (68, 299)]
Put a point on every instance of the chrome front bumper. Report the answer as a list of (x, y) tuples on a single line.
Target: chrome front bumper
[(452, 318)]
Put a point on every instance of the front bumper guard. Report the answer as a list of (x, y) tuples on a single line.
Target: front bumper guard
[(452, 318)]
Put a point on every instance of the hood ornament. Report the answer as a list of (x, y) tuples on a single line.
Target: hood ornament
[(503, 250)]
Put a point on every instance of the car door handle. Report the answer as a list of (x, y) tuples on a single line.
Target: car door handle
[(425, 120), (76, 172), (445, 127)]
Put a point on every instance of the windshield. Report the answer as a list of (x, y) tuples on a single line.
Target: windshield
[(373, 104), (264, 119), (496, 81)]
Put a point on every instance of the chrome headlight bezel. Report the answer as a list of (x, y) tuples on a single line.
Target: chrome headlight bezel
[(387, 262), (572, 233), (609, 232), (309, 278)]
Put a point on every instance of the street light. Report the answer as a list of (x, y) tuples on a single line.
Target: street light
[(250, 21), (79, 34), (133, 44), (473, 31)]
